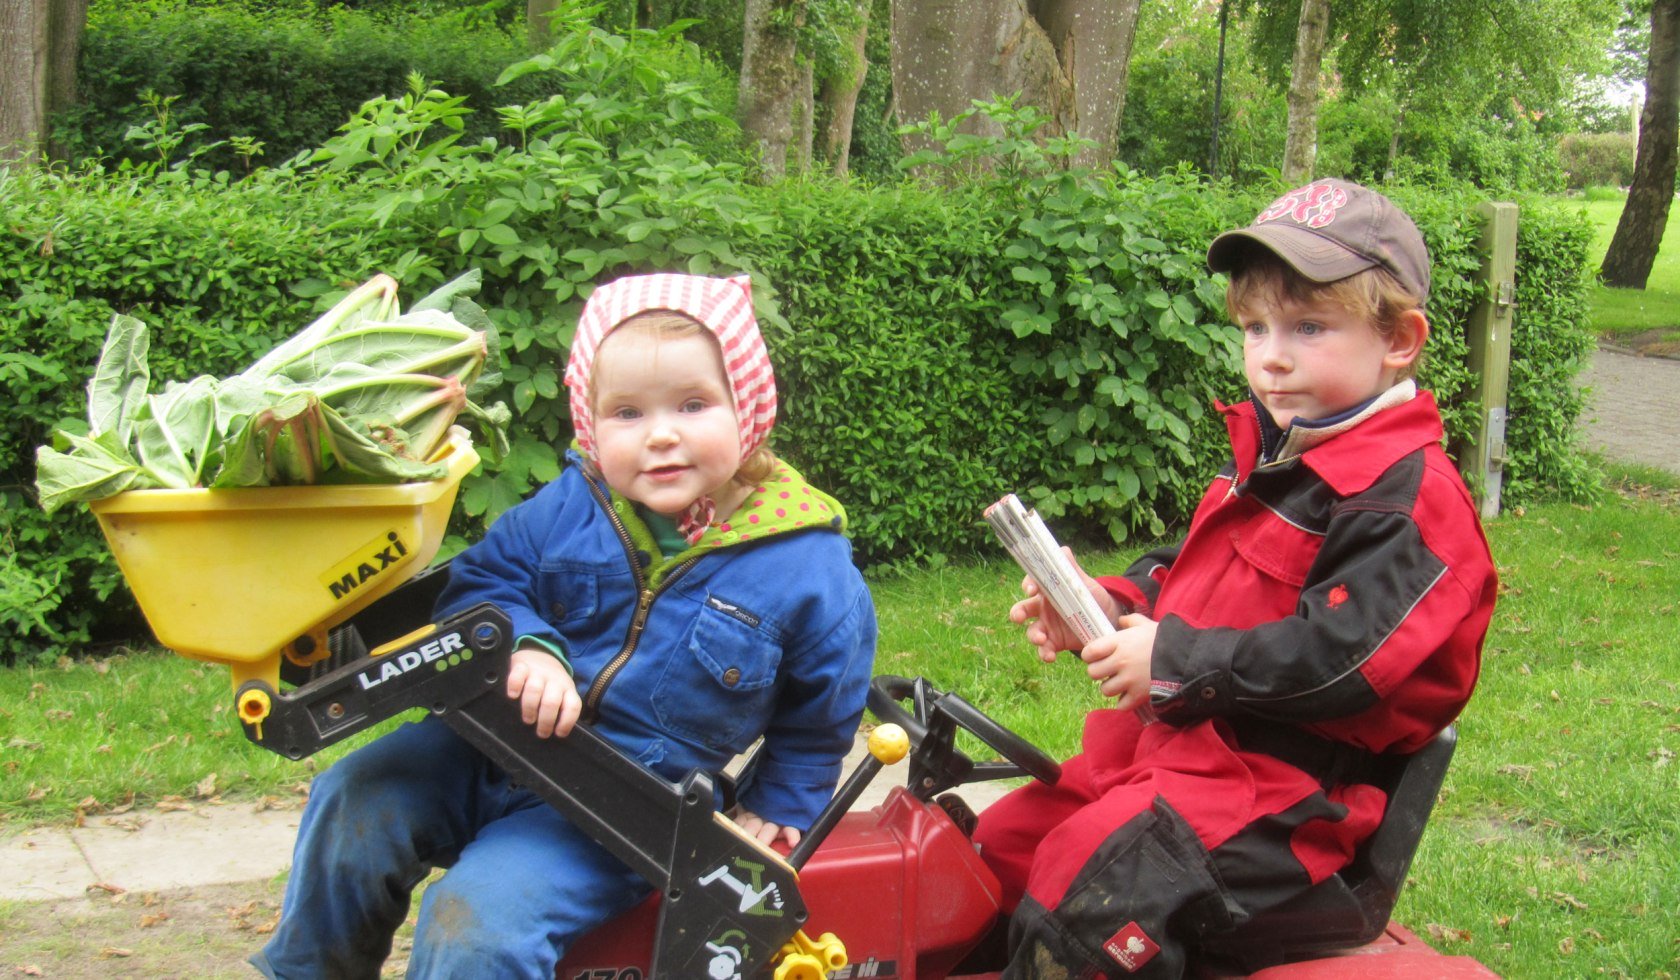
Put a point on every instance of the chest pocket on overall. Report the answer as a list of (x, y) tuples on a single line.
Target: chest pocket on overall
[(719, 684), (568, 593)]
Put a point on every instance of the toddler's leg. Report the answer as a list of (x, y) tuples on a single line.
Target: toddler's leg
[(522, 893), (377, 821)]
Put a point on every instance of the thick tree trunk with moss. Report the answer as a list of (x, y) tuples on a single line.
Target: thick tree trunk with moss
[(39, 40), (771, 79), (1300, 147), (1068, 58), (840, 94), (1639, 231)]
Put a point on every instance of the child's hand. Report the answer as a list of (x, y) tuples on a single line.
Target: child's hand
[(548, 700), (1045, 627), (763, 830), (1119, 662)]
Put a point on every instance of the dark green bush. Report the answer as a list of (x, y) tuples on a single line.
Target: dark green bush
[(288, 77), (1032, 330)]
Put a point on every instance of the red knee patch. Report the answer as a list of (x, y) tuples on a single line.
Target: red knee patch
[(1131, 948)]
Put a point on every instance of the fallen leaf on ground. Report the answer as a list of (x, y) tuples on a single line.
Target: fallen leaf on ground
[(1447, 933), (116, 952), (106, 887), (151, 919)]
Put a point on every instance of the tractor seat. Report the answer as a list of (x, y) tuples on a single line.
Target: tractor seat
[(1352, 907)]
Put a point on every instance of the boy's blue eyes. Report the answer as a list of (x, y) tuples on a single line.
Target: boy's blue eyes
[(1308, 327)]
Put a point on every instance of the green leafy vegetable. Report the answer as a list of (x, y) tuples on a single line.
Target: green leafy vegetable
[(365, 394)]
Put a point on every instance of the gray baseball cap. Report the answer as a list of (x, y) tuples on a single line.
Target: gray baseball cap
[(1331, 229)]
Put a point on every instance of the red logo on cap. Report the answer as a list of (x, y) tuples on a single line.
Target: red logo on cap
[(1131, 948), (1314, 205), (1338, 595)]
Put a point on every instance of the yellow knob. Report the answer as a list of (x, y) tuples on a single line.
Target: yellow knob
[(889, 743), (800, 966), (254, 706)]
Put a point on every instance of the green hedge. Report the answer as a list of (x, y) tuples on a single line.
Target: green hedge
[(288, 76), (1049, 333)]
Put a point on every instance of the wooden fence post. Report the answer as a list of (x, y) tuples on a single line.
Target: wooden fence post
[(1489, 337)]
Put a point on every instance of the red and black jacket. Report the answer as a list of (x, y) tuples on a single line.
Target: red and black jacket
[(1343, 592)]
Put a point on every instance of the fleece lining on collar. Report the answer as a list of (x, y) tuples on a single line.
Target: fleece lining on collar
[(1304, 434)]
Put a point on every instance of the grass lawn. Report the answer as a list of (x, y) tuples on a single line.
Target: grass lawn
[(1555, 850), (1635, 317)]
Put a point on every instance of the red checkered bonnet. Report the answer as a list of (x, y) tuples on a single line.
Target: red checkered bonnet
[(723, 306)]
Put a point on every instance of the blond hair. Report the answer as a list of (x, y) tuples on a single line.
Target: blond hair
[(671, 325), (1374, 295)]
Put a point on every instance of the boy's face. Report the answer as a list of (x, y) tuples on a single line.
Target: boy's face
[(1310, 359), (665, 427)]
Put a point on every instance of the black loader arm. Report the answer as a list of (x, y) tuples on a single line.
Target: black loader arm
[(722, 891)]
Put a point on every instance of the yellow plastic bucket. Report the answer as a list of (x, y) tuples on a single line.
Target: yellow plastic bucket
[(234, 576)]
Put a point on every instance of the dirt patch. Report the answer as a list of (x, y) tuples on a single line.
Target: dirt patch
[(1660, 342), (179, 934), (184, 932)]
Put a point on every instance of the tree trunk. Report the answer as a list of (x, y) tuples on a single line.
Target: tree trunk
[(947, 53), (537, 34), (1639, 231), (1093, 40), (1300, 148), (1394, 144), (39, 40), (770, 79), (804, 123), (840, 95)]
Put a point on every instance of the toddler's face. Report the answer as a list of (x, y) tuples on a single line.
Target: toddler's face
[(665, 427), (1311, 359)]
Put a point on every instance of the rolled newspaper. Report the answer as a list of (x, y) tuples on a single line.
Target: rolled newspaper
[(1040, 555)]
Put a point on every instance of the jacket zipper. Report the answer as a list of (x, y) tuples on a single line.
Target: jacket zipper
[(644, 602)]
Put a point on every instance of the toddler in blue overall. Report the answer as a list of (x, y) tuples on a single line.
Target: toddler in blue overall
[(677, 587)]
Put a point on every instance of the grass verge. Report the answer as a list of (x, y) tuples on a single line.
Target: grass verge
[(1555, 850), (1646, 318)]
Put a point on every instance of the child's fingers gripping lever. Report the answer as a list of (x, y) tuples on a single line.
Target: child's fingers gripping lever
[(762, 830), (548, 699)]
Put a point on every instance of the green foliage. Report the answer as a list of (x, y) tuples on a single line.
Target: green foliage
[(1596, 159), (1555, 273), (211, 265), (995, 323), (286, 76), (1168, 116)]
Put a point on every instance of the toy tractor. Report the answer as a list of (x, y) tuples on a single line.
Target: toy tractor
[(322, 609)]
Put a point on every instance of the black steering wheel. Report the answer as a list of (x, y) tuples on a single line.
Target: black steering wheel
[(935, 763)]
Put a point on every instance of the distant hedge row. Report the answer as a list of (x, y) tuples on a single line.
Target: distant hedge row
[(1049, 333)]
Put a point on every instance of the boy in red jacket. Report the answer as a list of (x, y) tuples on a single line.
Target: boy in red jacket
[(1328, 604)]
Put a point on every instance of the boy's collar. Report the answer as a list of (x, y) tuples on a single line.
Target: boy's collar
[(1367, 447), (1277, 445)]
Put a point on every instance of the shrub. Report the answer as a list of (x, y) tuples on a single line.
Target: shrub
[(1596, 159), (287, 77)]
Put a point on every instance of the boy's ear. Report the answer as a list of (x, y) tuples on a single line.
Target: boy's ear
[(1405, 344)]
